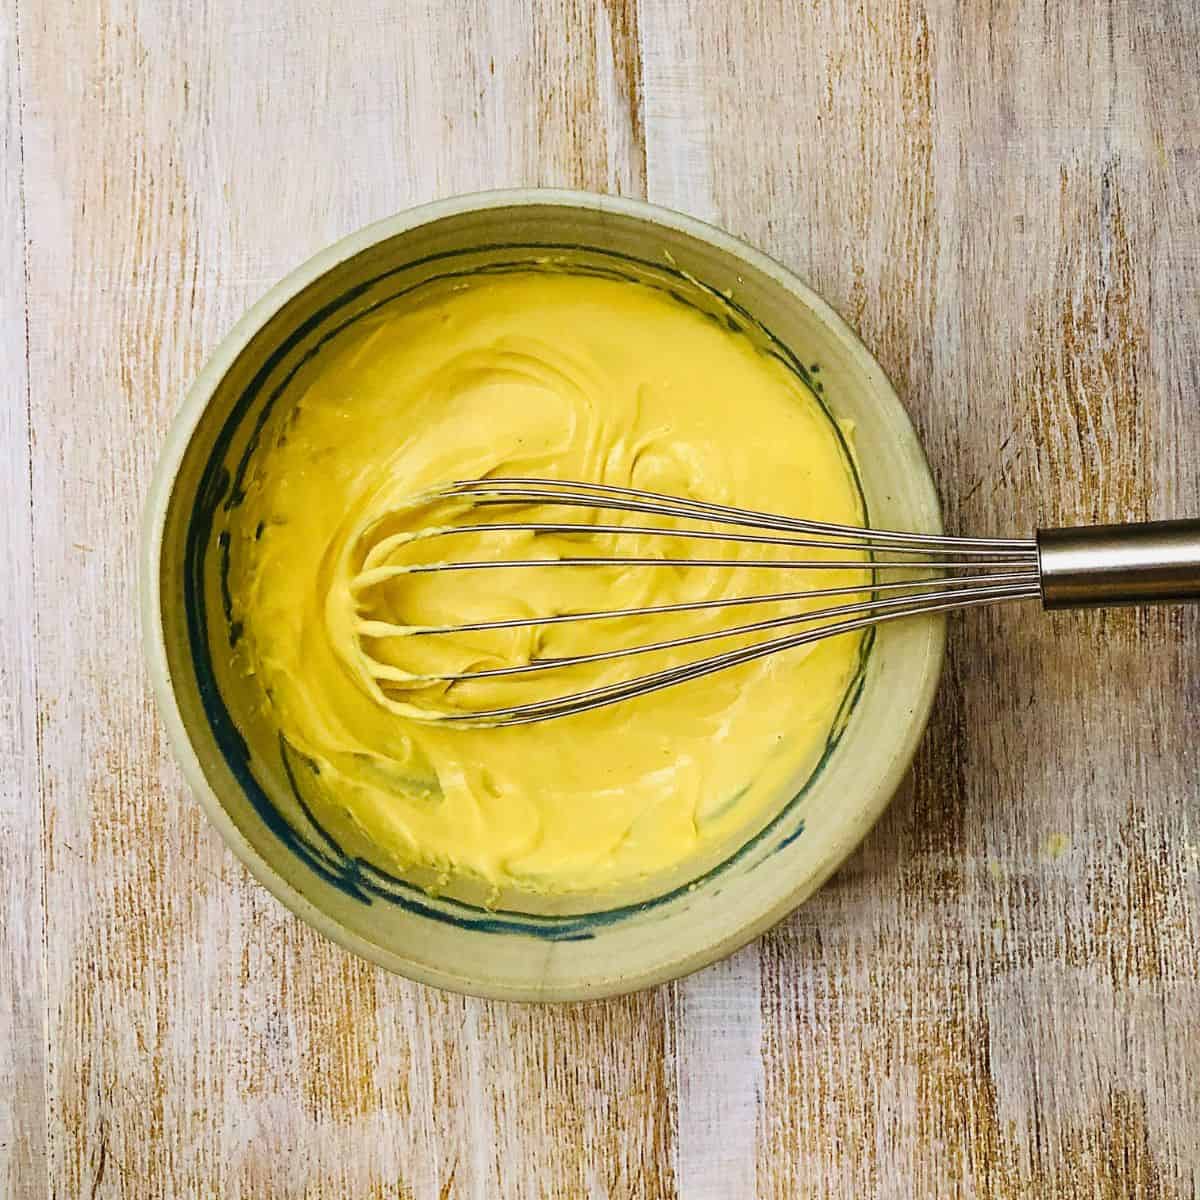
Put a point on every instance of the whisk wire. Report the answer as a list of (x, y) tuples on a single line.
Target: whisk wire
[(571, 493), (584, 701), (810, 543), (950, 584), (821, 614)]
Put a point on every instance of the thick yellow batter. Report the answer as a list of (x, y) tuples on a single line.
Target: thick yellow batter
[(551, 375)]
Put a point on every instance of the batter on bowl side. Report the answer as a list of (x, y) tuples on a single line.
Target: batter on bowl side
[(554, 375)]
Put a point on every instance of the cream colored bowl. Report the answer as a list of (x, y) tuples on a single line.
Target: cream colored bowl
[(521, 948)]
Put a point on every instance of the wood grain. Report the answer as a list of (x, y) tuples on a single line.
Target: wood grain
[(22, 984), (999, 994)]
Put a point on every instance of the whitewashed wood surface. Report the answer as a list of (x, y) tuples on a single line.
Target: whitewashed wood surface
[(999, 995)]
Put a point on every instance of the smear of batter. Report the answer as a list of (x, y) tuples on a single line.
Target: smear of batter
[(557, 376)]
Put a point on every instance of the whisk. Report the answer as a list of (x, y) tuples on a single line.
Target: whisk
[(1089, 566)]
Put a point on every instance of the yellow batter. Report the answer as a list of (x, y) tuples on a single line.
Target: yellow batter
[(550, 375)]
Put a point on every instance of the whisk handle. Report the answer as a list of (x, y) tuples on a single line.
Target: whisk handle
[(1099, 566)]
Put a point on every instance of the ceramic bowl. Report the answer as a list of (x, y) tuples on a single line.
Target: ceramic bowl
[(521, 947)]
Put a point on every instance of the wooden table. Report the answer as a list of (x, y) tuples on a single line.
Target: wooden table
[(999, 994)]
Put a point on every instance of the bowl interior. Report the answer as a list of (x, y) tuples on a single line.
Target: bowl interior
[(520, 946)]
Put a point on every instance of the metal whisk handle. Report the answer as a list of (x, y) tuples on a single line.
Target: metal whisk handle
[(1103, 565)]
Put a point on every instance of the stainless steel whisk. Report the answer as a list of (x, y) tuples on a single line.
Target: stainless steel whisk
[(1089, 566)]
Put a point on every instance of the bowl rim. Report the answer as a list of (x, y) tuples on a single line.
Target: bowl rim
[(162, 483)]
